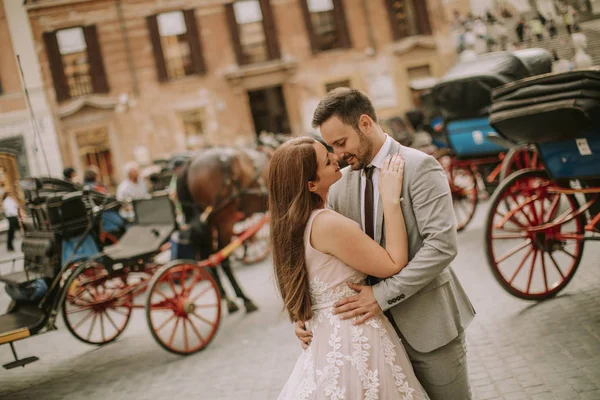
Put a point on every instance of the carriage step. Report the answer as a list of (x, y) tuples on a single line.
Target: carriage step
[(20, 363)]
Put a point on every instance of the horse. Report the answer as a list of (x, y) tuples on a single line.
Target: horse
[(218, 188)]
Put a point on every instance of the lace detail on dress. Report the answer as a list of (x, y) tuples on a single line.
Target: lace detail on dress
[(359, 359), (390, 359), (308, 384)]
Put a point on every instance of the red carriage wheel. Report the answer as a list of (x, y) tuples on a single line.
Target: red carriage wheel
[(97, 306), (258, 247), (518, 159), (183, 307), (463, 186), (534, 244)]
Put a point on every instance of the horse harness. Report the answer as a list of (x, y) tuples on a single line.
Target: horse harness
[(235, 189)]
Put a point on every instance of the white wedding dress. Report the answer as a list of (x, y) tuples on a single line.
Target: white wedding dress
[(346, 361)]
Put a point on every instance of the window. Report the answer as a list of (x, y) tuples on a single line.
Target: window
[(94, 150), (334, 85), (408, 18), (193, 128), (420, 82), (75, 62), (252, 30), (176, 45), (326, 24)]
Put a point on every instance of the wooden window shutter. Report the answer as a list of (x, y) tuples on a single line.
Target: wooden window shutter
[(56, 67), (341, 25), (193, 38), (97, 73), (309, 27), (422, 17), (270, 30), (397, 31), (161, 68), (234, 32)]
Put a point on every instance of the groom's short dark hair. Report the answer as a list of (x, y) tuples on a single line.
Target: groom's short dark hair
[(345, 103)]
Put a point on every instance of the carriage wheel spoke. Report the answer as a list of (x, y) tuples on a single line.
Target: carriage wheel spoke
[(544, 271), (520, 208), (173, 333), (512, 218), (120, 312), (92, 326), (553, 207), (573, 256), (80, 309), (165, 322), (157, 290), (535, 252), (198, 334), (514, 251), (102, 327), (185, 335), (512, 278), (202, 293), (111, 321), (172, 284), (556, 265), (81, 321), (201, 318)]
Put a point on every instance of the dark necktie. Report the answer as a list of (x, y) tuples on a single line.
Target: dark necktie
[(368, 203)]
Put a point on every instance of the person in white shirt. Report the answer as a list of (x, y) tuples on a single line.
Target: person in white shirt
[(11, 211), (132, 188)]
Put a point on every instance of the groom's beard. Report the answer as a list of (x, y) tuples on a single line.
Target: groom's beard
[(361, 161)]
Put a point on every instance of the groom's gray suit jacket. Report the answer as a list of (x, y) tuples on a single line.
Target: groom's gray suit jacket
[(426, 300)]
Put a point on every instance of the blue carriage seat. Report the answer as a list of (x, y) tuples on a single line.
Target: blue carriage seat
[(468, 138)]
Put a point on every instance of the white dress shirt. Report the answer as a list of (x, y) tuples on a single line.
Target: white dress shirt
[(377, 162), (132, 190), (10, 207)]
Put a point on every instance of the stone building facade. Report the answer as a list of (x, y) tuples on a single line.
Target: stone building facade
[(139, 79), (28, 145)]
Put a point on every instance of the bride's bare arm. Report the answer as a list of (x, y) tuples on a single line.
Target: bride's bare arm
[(334, 234), (341, 237)]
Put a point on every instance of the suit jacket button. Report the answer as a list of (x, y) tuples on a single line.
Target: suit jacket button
[(402, 296), (389, 302)]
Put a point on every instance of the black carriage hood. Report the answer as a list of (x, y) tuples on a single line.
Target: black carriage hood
[(465, 91)]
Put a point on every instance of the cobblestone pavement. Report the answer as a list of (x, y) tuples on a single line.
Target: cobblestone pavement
[(517, 349)]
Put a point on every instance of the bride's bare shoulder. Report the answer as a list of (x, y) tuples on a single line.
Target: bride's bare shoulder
[(328, 224)]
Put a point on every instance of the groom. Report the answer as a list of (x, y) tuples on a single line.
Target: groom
[(425, 301)]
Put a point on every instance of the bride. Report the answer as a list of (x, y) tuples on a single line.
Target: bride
[(316, 252)]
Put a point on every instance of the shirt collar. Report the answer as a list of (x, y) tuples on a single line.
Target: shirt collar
[(379, 158)]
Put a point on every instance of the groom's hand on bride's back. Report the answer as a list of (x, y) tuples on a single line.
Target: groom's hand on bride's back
[(304, 335), (361, 306)]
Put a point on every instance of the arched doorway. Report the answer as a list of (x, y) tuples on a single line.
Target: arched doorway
[(9, 173)]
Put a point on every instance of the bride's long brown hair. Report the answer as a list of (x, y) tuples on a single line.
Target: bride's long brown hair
[(293, 165)]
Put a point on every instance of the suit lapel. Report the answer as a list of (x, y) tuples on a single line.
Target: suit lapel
[(394, 148), (353, 196)]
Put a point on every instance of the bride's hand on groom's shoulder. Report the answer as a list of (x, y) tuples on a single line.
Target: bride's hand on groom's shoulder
[(362, 305), (391, 177)]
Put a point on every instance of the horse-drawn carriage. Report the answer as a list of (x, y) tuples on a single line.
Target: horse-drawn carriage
[(68, 267), (539, 220), (463, 96)]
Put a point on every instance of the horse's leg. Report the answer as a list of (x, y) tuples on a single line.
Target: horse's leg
[(225, 239), (249, 304), (231, 306)]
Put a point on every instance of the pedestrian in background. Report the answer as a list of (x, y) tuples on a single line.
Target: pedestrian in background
[(11, 211), (69, 174)]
